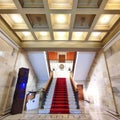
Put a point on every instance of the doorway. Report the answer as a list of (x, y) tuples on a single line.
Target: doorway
[(61, 58), (80, 92)]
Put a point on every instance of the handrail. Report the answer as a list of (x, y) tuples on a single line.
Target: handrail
[(49, 81), (45, 90), (73, 83), (75, 90)]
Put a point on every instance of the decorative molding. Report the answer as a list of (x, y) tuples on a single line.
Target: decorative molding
[(61, 66), (6, 38), (63, 45), (115, 38), (112, 37), (8, 34)]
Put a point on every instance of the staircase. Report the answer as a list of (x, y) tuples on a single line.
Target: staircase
[(71, 98), (49, 98), (60, 98)]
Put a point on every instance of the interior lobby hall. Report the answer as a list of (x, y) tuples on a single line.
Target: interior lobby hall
[(60, 59)]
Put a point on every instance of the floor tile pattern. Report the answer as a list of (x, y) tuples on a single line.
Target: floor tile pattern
[(88, 112)]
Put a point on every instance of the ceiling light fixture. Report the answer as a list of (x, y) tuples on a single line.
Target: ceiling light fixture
[(105, 19), (61, 34), (60, 4), (60, 18), (43, 33), (26, 34), (1, 53), (96, 34), (17, 18), (78, 34)]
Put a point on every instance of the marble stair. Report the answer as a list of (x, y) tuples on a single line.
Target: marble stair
[(48, 102), (71, 99)]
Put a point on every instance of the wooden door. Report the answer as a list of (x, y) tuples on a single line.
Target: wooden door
[(80, 92), (61, 58)]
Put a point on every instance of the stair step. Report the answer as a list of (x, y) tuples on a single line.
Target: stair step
[(75, 111), (59, 111), (55, 102), (62, 91), (70, 105), (65, 106), (60, 94), (60, 98), (47, 106), (44, 111)]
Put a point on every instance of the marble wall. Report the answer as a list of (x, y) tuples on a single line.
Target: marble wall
[(7, 62), (98, 90), (113, 61), (10, 62), (103, 85)]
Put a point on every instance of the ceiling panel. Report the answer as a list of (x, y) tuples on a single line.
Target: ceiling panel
[(7, 4), (97, 36), (60, 21), (60, 4), (32, 3), (79, 35), (83, 21), (38, 20), (81, 24), (106, 21), (43, 35), (61, 35), (15, 21), (89, 3), (25, 35), (113, 5)]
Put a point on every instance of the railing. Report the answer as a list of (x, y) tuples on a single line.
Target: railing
[(45, 90), (75, 90)]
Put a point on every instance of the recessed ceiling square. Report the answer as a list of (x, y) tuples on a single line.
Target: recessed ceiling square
[(83, 21), (15, 21), (32, 3), (106, 21), (79, 36), (97, 36), (38, 20), (89, 3), (60, 21), (61, 35), (7, 4), (43, 35), (60, 4), (113, 5), (25, 35)]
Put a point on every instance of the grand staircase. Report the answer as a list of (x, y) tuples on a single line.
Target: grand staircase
[(60, 98)]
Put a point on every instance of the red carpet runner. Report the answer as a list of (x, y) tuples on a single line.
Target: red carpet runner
[(60, 98)]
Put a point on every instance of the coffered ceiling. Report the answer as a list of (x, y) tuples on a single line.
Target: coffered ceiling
[(61, 24)]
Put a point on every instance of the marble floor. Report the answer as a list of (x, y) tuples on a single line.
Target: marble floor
[(88, 112)]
